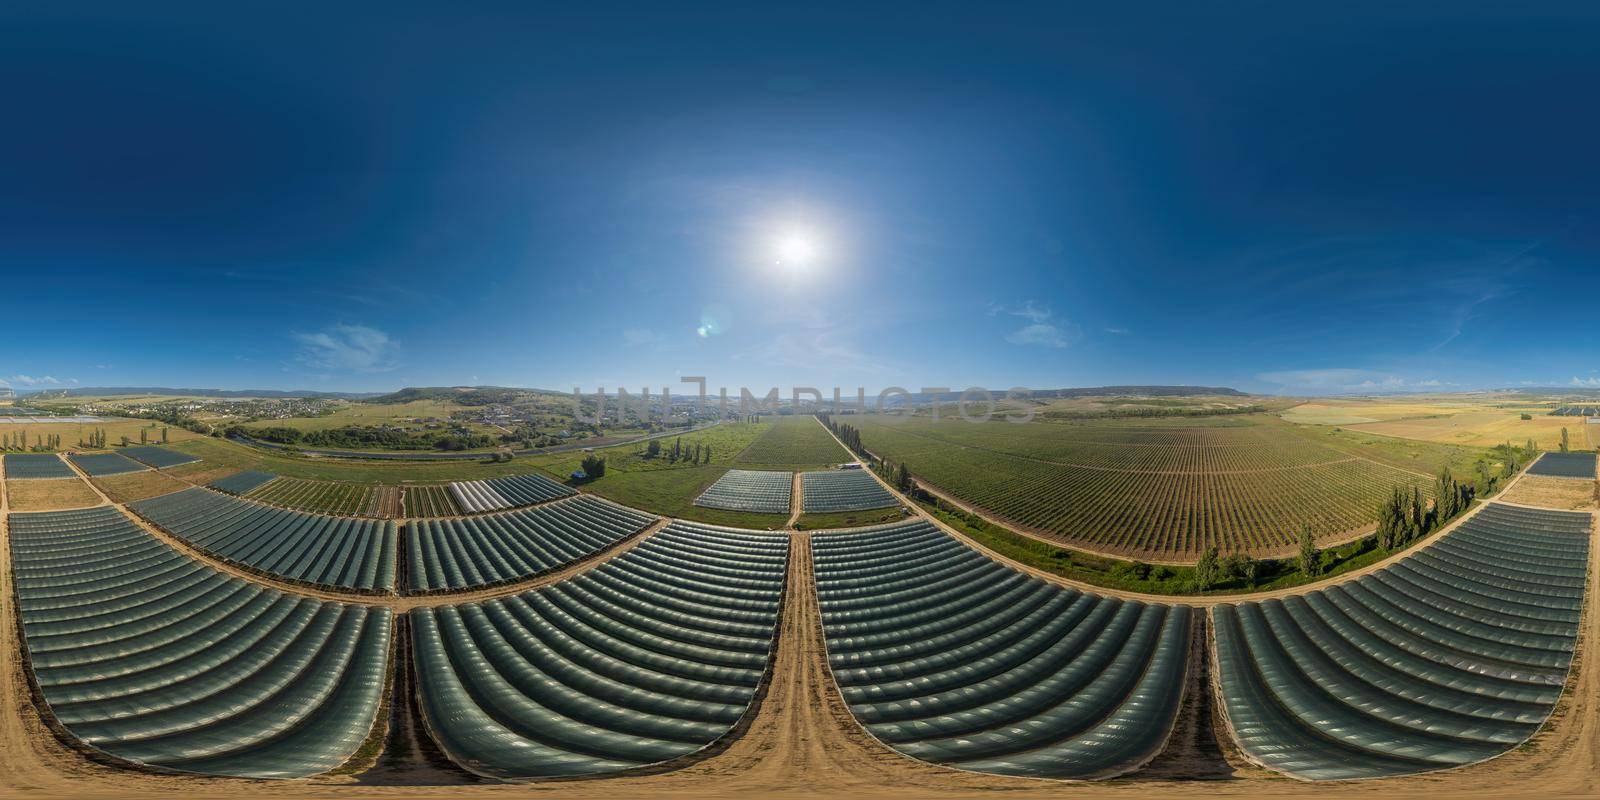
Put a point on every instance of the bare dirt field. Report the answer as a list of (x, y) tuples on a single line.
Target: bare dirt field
[(1563, 493), (138, 485), (50, 495)]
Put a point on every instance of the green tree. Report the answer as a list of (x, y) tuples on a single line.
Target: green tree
[(1206, 569), (902, 481), (1310, 558), (1565, 443), (1241, 566)]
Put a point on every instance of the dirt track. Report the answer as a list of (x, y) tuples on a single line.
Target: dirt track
[(803, 742)]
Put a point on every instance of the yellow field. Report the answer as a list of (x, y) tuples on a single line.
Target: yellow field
[(1484, 429), (1473, 421), (72, 432)]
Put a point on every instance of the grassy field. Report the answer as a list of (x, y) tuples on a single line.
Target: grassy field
[(1163, 489), (138, 485), (49, 495), (200, 472), (671, 492), (663, 486), (72, 433), (793, 443), (849, 519), (367, 414), (725, 442), (222, 453)]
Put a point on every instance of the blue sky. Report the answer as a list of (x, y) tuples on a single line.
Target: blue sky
[(1277, 199)]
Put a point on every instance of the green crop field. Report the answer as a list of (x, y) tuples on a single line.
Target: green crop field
[(797, 442), (345, 499), (1163, 489)]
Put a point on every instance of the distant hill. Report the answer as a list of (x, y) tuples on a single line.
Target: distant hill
[(1096, 391), (464, 395), (1142, 391), (163, 391), (1564, 391)]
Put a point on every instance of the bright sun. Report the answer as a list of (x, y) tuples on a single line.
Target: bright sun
[(795, 250)]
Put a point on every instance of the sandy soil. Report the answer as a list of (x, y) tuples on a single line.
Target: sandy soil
[(797, 499), (802, 742)]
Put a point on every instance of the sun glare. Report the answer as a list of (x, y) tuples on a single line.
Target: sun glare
[(796, 251)]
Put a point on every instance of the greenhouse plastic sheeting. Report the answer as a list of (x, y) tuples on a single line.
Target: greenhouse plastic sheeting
[(449, 554), (243, 482), (842, 490), (526, 490), (100, 464), (149, 656), (1564, 465), (23, 466), (758, 491), (646, 658), (158, 457), (951, 657), (336, 552), (1455, 654)]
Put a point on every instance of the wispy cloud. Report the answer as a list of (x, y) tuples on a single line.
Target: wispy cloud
[(1118, 331), (645, 337), (1344, 380), (1480, 289), (1039, 332), (350, 348), (1418, 296), (1588, 383), (31, 381), (1040, 335), (813, 350)]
